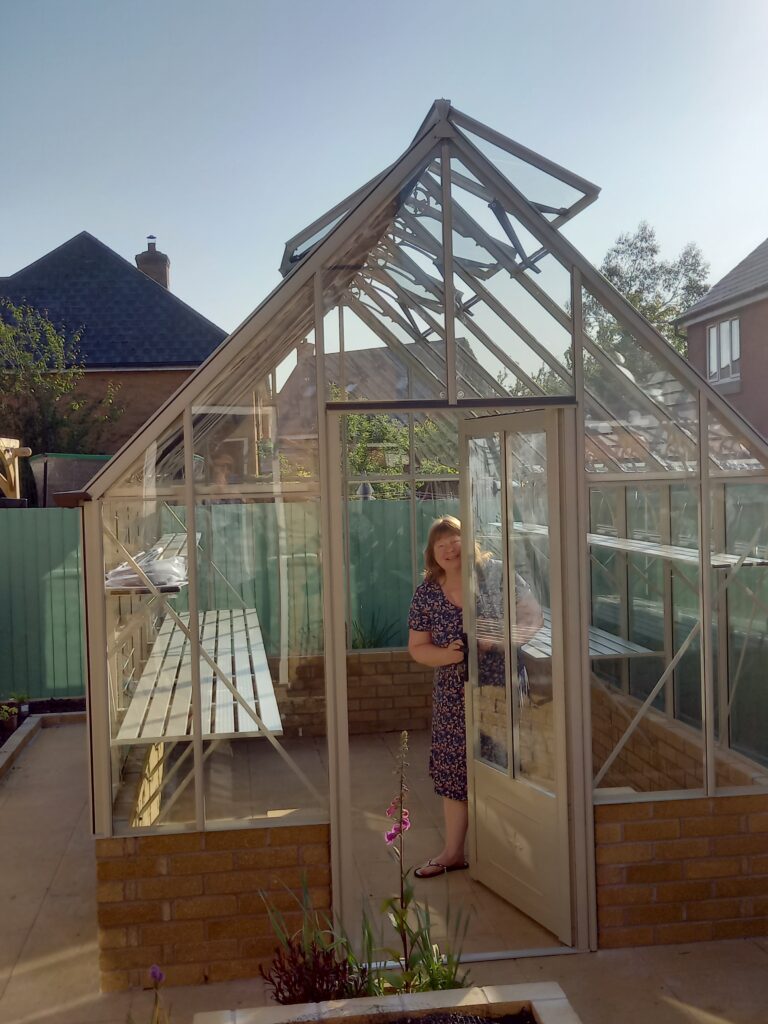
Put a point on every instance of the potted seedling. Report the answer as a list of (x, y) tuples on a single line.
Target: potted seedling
[(21, 700), (9, 718)]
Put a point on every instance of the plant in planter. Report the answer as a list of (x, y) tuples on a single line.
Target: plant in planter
[(21, 700), (9, 717), (318, 962)]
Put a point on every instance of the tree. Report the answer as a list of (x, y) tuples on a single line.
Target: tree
[(41, 368), (661, 290)]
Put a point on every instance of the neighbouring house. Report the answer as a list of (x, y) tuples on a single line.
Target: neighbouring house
[(727, 334), (135, 331)]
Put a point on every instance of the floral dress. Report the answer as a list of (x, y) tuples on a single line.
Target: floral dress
[(432, 612)]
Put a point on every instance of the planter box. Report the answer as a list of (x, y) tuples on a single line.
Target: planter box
[(545, 1000)]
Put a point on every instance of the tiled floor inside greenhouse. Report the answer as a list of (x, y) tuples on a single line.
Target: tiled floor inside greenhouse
[(48, 947)]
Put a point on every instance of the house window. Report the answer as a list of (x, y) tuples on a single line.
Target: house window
[(724, 351)]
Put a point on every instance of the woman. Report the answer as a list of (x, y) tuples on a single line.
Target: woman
[(435, 638)]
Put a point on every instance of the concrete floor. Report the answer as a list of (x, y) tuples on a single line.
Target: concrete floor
[(48, 952)]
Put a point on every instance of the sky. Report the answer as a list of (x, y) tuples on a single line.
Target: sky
[(225, 126)]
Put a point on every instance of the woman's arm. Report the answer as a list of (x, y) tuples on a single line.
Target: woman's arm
[(423, 651)]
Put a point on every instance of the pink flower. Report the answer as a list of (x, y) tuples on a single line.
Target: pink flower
[(393, 807)]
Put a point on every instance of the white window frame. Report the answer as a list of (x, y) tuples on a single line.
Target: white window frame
[(723, 350)]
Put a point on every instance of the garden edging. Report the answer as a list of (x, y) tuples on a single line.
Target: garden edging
[(546, 1000)]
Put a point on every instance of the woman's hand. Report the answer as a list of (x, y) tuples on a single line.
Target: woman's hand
[(454, 652), (424, 652)]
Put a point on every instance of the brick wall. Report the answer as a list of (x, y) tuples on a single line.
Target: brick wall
[(387, 691), (191, 902), (141, 394), (681, 870), (661, 754)]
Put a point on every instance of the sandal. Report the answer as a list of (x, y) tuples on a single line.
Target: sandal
[(433, 868)]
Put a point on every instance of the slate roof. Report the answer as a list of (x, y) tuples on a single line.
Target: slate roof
[(747, 277), (127, 319)]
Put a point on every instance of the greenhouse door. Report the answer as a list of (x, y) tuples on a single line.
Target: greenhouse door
[(513, 600)]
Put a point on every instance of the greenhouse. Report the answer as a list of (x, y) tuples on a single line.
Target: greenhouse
[(437, 346)]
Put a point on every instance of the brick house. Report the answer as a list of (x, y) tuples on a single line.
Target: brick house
[(727, 330), (135, 331)]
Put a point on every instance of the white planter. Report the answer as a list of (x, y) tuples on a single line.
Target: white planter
[(545, 1000)]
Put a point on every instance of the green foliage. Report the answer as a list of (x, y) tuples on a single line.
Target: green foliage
[(661, 290), (7, 712), (318, 961), (41, 369), (373, 632)]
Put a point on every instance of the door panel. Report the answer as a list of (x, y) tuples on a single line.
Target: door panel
[(519, 839)]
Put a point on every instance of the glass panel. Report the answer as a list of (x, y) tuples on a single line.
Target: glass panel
[(739, 631), (522, 345), (259, 593), (714, 362), (635, 395), (385, 330), (729, 451), (538, 186), (531, 638), (725, 348), (645, 644), (144, 524), (735, 342), (490, 695)]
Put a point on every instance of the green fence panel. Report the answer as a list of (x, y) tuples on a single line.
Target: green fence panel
[(41, 603)]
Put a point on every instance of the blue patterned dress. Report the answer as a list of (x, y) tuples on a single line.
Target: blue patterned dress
[(432, 612)]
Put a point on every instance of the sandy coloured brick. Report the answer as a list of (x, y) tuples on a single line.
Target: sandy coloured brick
[(172, 932), (184, 842), (643, 831), (624, 853), (713, 910), (681, 849), (237, 839), (108, 848), (204, 952), (682, 892), (133, 867), (685, 931), (620, 938), (125, 959), (268, 857), (744, 844), (111, 915), (203, 907), (712, 825), (113, 938), (656, 913), (644, 873), (200, 863), (110, 892), (622, 812), (712, 868), (624, 895), (169, 887)]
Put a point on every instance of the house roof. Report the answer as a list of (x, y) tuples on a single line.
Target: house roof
[(127, 319), (746, 278)]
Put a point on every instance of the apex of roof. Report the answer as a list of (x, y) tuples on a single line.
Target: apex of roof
[(747, 277), (127, 319)]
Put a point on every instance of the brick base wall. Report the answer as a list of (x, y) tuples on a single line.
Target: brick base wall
[(386, 690), (681, 870), (661, 754), (191, 903)]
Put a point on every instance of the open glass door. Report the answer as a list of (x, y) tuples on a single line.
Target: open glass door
[(516, 754)]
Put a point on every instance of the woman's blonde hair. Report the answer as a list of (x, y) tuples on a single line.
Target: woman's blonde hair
[(443, 527)]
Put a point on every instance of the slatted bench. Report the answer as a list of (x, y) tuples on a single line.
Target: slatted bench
[(602, 645), (161, 705)]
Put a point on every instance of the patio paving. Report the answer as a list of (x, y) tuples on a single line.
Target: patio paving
[(49, 958)]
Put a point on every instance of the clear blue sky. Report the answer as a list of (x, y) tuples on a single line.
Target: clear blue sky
[(224, 126)]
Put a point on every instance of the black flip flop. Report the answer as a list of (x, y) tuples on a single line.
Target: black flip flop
[(443, 869)]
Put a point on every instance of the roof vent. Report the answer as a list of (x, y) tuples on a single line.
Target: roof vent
[(153, 263)]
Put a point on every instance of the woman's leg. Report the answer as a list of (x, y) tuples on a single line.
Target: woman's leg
[(456, 822)]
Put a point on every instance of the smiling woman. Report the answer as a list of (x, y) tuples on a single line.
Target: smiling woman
[(436, 639)]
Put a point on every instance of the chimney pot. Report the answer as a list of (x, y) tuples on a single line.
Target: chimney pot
[(153, 263)]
